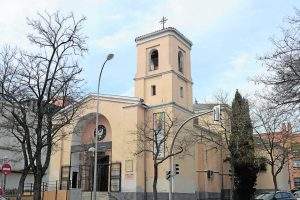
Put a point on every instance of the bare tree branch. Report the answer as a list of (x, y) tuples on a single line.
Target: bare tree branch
[(40, 89)]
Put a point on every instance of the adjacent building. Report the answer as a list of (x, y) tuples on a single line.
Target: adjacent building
[(13, 156), (294, 162)]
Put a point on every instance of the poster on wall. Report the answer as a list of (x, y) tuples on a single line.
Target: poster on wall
[(115, 185), (128, 165), (115, 177)]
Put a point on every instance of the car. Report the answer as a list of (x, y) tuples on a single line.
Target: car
[(297, 194), (279, 195), (264, 196)]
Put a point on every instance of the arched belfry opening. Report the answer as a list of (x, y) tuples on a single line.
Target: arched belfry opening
[(180, 61), (82, 153), (154, 59)]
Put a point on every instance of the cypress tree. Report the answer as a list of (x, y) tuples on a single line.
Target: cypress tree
[(242, 150)]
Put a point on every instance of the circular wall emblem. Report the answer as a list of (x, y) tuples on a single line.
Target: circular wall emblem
[(101, 132)]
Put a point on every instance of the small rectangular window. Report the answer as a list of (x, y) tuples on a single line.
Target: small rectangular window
[(153, 90), (297, 182), (296, 163), (181, 91), (196, 121)]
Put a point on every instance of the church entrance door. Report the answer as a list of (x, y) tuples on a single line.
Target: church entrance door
[(102, 173)]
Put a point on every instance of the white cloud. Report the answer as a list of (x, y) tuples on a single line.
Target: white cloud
[(237, 74), (13, 14), (112, 42), (193, 18), (129, 92), (243, 63), (198, 16)]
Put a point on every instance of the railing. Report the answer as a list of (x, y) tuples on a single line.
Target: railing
[(54, 189), (82, 181)]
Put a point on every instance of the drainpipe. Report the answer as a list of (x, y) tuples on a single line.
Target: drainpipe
[(145, 154), (289, 173), (222, 171)]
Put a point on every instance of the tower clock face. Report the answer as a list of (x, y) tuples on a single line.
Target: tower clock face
[(101, 132)]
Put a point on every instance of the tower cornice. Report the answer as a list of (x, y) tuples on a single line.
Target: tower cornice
[(169, 30), (162, 73)]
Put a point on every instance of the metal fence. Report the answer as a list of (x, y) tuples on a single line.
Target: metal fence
[(83, 181), (54, 186)]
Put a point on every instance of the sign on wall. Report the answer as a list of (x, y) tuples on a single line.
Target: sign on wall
[(6, 169), (128, 165), (115, 177)]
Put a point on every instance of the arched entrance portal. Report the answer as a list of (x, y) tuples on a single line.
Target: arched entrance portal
[(82, 158)]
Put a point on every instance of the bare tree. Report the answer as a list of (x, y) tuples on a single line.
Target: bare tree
[(155, 137), (39, 89), (274, 138), (283, 66)]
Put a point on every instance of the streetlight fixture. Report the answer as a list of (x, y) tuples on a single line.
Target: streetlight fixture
[(109, 57), (91, 149)]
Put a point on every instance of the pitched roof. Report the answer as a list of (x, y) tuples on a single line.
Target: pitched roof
[(204, 106)]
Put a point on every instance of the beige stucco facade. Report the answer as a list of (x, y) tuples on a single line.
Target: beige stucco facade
[(113, 112), (264, 178), (121, 116), (160, 86)]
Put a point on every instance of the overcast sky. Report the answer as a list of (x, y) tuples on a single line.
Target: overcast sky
[(227, 36)]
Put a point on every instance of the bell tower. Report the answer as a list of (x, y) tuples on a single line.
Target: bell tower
[(163, 68)]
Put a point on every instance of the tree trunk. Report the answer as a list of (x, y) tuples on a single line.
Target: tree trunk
[(274, 177), (155, 182), (21, 183), (37, 186)]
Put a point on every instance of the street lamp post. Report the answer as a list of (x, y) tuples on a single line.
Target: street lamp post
[(109, 57)]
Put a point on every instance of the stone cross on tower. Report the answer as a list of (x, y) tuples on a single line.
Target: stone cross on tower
[(163, 21)]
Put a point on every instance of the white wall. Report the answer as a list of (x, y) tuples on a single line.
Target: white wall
[(12, 181)]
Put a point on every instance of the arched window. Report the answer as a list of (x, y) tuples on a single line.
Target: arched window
[(154, 59), (180, 61)]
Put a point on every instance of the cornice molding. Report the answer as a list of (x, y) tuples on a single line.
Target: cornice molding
[(163, 32), (165, 72), (173, 103)]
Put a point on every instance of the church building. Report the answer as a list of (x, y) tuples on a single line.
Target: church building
[(163, 89)]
